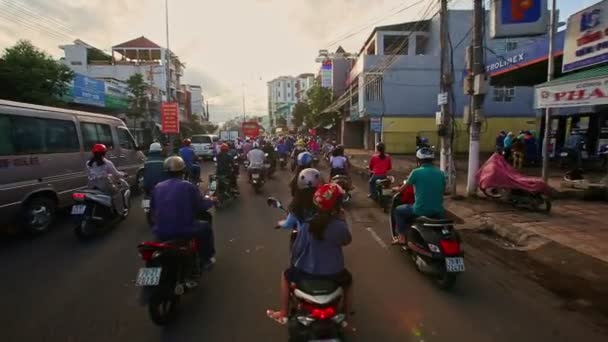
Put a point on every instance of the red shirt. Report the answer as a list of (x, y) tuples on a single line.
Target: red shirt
[(408, 196), (380, 167)]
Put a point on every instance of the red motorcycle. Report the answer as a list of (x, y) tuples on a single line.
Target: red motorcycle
[(499, 180)]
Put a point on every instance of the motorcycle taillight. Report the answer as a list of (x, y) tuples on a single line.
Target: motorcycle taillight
[(79, 196), (450, 247), (146, 254), (320, 313)]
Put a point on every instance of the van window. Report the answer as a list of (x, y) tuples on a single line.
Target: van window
[(94, 133), (201, 139), (125, 139), (28, 135), (215, 138)]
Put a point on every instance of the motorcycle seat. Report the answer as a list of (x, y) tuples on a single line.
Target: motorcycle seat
[(318, 291), (383, 181), (428, 220), (339, 177)]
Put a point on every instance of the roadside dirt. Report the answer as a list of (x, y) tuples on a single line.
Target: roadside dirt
[(579, 280)]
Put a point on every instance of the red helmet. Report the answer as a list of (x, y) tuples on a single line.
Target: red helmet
[(327, 195), (224, 147), (99, 148), (187, 142)]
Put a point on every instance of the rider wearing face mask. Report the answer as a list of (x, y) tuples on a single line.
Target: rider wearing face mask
[(103, 175), (317, 252)]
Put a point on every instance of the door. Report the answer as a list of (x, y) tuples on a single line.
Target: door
[(130, 159)]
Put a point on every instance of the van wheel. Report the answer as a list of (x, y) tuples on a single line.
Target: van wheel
[(38, 214)]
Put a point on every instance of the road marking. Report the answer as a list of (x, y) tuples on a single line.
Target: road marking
[(376, 237)]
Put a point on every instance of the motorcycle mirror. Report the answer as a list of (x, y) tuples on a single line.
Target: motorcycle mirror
[(391, 178), (274, 203)]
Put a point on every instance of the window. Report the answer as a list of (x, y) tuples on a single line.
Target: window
[(279, 94), (422, 43), (76, 63), (288, 85), (93, 133), (27, 135), (396, 45), (503, 94), (125, 139), (373, 89), (201, 139)]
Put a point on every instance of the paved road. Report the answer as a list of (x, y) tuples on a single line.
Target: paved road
[(55, 288)]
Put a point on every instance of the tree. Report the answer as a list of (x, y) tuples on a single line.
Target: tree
[(319, 98), (137, 96), (281, 122), (28, 74), (301, 114)]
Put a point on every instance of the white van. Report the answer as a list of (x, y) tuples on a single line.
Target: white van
[(204, 144)]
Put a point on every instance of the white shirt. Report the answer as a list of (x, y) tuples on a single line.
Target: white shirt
[(256, 158), (338, 162)]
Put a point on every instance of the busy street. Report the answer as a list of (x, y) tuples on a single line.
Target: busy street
[(58, 288)]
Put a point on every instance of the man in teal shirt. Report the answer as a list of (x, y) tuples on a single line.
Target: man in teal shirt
[(429, 185)]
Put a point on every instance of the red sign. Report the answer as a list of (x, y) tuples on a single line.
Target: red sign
[(169, 112), (251, 129)]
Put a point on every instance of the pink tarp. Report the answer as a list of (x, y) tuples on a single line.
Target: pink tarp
[(496, 172)]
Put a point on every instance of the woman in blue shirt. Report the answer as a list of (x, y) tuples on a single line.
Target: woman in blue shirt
[(317, 251)]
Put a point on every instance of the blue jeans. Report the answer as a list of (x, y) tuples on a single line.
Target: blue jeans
[(372, 184), (404, 217), (204, 234)]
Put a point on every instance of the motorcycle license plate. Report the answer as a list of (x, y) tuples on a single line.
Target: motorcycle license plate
[(78, 209), (454, 264), (148, 276), (255, 176), (564, 154), (145, 204), (326, 340), (387, 192), (267, 166)]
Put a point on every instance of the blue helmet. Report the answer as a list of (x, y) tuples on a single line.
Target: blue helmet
[(305, 159)]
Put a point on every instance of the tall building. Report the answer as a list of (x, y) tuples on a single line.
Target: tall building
[(281, 98)]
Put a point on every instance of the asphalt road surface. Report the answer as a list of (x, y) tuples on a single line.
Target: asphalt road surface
[(56, 288)]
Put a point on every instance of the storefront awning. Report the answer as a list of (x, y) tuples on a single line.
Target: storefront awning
[(584, 88)]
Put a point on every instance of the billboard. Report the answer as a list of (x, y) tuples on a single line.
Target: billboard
[(169, 113), (588, 92), (327, 74), (516, 18), (251, 129), (88, 91), (586, 42)]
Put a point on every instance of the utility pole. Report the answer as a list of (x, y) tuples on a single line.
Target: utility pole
[(478, 94), (550, 69), (444, 101), (244, 108), (167, 52)]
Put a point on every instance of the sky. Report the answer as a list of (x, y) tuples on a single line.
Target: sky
[(230, 47)]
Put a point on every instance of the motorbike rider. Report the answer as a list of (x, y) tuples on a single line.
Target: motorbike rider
[(338, 162), (189, 156), (225, 168), (102, 175), (317, 251), (256, 158), (303, 161), (272, 155), (429, 186), (301, 208), (379, 165), (282, 149), (176, 205), (154, 172)]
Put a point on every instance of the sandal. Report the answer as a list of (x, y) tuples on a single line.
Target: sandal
[(277, 316), (396, 242)]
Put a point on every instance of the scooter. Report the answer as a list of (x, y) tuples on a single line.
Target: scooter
[(94, 210), (145, 205), (384, 192), (256, 176), (220, 188), (316, 307), (268, 167), (433, 245), (499, 180), (344, 182)]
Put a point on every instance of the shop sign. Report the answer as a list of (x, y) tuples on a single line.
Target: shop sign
[(88, 91), (169, 112), (375, 124), (574, 94), (516, 18), (586, 41)]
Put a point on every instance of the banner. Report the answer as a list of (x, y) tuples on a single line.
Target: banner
[(517, 18), (586, 41), (169, 112), (573, 94), (89, 91)]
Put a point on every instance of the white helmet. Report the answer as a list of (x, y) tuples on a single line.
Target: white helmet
[(309, 179), (155, 147), (425, 153), (256, 145)]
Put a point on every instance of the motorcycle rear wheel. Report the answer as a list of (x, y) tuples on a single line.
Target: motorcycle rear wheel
[(445, 280), (85, 229), (162, 308), (492, 192)]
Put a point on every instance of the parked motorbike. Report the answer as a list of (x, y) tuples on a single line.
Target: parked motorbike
[(94, 210), (384, 192), (344, 182), (499, 180), (433, 245), (316, 307)]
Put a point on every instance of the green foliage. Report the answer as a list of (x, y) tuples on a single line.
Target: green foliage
[(188, 129), (137, 98), (319, 98), (28, 74), (301, 114), (281, 122)]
